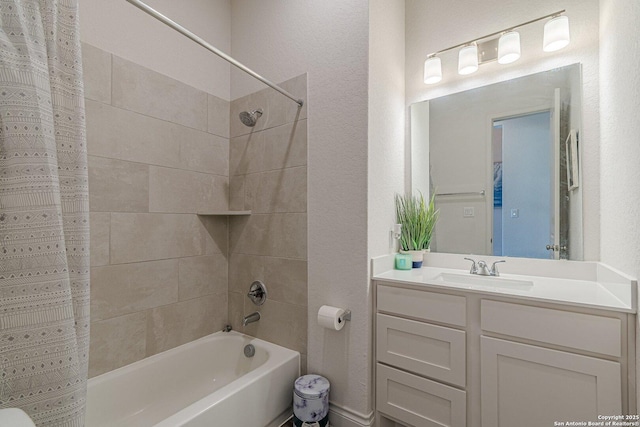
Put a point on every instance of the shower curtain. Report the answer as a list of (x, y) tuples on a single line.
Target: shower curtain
[(44, 225)]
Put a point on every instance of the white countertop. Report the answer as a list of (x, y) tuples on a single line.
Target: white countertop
[(611, 292)]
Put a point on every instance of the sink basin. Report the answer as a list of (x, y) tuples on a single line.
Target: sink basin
[(484, 281)]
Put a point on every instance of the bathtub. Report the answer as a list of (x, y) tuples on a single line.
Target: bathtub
[(208, 382)]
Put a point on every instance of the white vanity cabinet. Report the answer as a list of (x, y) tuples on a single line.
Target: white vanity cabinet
[(448, 357), (421, 357)]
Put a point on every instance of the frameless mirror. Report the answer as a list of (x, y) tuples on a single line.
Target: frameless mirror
[(504, 161)]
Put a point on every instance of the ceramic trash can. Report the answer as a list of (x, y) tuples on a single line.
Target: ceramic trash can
[(311, 401)]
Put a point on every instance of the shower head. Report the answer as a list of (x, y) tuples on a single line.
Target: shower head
[(249, 118)]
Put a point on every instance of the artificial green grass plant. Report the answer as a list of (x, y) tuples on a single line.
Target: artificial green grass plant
[(418, 220)]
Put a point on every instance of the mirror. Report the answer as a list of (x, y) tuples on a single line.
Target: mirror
[(504, 161)]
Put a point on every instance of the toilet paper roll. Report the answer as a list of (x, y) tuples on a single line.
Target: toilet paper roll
[(331, 317)]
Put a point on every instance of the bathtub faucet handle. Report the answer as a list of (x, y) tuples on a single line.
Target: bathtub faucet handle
[(257, 293)]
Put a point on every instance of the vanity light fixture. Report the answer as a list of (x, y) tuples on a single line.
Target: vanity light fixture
[(432, 70), (509, 47), (468, 59), (506, 49), (556, 34)]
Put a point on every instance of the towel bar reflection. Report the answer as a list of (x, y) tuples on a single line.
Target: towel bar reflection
[(464, 193)]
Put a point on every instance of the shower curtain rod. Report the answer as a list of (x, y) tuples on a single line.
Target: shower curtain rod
[(179, 28)]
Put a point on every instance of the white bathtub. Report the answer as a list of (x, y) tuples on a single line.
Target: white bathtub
[(208, 382)]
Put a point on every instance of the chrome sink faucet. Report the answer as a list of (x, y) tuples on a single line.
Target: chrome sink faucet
[(482, 269)]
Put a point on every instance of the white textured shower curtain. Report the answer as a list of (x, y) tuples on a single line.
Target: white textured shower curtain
[(44, 211)]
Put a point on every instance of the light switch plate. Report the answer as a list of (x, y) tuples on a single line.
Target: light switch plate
[(515, 213)]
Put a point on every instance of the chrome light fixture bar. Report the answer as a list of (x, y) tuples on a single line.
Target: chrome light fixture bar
[(556, 36)]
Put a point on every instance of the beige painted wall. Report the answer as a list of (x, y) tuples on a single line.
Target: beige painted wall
[(433, 25), (122, 29), (158, 153)]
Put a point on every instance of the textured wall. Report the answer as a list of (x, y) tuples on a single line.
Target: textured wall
[(386, 120), (268, 175), (329, 41), (158, 153), (433, 25), (620, 151), (124, 30)]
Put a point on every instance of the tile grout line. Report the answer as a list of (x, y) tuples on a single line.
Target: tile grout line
[(156, 118), (160, 166)]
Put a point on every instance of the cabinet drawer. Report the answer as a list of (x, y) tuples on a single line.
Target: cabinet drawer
[(567, 329), (417, 401), (433, 351), (423, 305)]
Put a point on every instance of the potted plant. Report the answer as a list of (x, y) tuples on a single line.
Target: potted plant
[(418, 220)]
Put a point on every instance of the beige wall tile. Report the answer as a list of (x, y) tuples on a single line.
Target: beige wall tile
[(236, 310), (125, 135), (117, 342), (288, 236), (243, 271), (236, 192), (120, 134), (282, 324), (96, 68), (140, 89), (127, 288), (203, 276), (215, 233), (249, 235), (99, 233), (286, 280), (281, 109), (175, 324), (298, 87), (218, 110), (285, 146), (179, 191), (205, 153), (278, 235), (249, 102), (145, 237), (118, 186), (245, 153), (283, 190), (277, 109)]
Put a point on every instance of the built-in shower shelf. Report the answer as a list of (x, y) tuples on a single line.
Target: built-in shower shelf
[(225, 213)]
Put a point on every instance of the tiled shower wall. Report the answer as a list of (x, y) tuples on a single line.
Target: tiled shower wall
[(268, 175), (158, 153)]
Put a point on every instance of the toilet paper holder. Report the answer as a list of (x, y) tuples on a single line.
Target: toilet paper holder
[(346, 316)]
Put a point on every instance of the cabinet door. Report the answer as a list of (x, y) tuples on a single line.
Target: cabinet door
[(529, 386)]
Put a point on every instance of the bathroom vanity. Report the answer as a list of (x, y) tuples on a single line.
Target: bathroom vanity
[(455, 349)]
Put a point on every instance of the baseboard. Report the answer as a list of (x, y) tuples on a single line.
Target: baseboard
[(344, 417)]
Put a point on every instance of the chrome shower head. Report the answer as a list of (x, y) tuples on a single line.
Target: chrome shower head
[(249, 118)]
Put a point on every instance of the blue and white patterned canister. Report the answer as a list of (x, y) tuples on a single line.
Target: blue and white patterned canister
[(311, 400)]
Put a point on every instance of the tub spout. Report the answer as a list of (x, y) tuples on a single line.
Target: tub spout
[(253, 317)]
